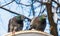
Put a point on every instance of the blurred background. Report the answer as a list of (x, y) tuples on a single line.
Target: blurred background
[(28, 8)]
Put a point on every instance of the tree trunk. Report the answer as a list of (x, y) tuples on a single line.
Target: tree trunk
[(53, 25)]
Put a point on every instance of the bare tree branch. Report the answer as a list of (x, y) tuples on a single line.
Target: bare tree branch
[(53, 25), (41, 2), (26, 4), (9, 11), (32, 7), (8, 3), (14, 12), (56, 3)]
